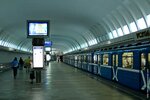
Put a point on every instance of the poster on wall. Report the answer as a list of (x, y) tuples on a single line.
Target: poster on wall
[(38, 56)]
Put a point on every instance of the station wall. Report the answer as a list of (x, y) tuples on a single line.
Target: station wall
[(8, 56)]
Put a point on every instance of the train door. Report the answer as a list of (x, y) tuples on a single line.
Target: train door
[(145, 66), (79, 61), (95, 67), (95, 58), (84, 64), (86, 67), (76, 60), (89, 61), (114, 66), (82, 61), (99, 64)]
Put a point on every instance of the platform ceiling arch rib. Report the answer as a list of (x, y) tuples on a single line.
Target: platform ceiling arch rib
[(74, 24)]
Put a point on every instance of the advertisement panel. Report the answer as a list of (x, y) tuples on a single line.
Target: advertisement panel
[(38, 56)]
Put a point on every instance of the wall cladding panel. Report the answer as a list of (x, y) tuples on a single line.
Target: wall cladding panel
[(7, 56)]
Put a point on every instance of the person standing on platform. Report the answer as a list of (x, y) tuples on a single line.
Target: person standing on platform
[(58, 58), (21, 62), (15, 64)]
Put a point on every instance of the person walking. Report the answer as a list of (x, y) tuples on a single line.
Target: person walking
[(15, 67), (21, 63), (27, 63)]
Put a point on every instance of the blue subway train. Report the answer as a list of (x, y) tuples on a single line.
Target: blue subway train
[(128, 65)]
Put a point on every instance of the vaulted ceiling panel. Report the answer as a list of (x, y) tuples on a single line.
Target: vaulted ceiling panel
[(73, 23)]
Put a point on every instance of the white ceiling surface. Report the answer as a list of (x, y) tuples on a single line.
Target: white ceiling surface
[(72, 22)]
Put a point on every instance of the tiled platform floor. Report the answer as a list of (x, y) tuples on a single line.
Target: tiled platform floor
[(59, 82)]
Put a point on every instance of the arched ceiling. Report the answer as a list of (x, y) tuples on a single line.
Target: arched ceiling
[(72, 22)]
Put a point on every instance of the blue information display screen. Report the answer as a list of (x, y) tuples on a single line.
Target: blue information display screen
[(37, 28)]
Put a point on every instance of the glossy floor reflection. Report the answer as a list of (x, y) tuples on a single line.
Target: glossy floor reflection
[(59, 82)]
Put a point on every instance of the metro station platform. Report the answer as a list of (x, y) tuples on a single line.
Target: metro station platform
[(60, 82)]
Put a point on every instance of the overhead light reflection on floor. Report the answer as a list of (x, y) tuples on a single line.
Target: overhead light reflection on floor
[(38, 95), (48, 74)]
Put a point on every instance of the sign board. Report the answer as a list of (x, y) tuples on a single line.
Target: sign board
[(47, 49), (48, 43), (38, 56)]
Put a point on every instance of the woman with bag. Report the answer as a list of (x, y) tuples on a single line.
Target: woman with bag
[(27, 64)]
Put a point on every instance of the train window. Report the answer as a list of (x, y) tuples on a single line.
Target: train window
[(99, 59), (113, 62), (127, 60), (84, 60), (75, 58), (149, 59), (89, 59), (95, 58), (143, 61), (79, 58), (105, 59), (116, 60)]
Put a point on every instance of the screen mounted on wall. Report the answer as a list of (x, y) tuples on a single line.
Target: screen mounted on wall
[(37, 28)]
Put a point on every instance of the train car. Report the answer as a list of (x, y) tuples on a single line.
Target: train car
[(128, 71), (127, 65)]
